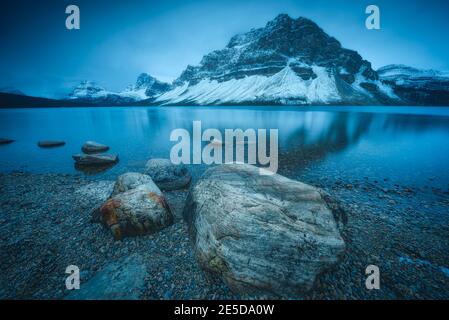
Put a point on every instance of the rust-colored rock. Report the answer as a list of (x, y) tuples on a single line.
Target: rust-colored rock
[(141, 209)]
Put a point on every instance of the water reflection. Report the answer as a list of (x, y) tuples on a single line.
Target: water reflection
[(139, 133)]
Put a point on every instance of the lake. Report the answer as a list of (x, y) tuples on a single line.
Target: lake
[(403, 144), (386, 166)]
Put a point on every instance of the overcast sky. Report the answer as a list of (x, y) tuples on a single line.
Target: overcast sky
[(120, 39)]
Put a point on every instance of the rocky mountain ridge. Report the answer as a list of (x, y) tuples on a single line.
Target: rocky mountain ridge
[(287, 62)]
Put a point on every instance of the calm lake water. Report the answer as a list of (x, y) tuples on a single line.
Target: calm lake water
[(404, 144)]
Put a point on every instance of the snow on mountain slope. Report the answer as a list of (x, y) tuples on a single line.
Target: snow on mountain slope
[(406, 76), (284, 85), (416, 86), (88, 90), (145, 87), (287, 62)]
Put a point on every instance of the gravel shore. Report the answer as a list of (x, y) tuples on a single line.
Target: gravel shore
[(45, 225)]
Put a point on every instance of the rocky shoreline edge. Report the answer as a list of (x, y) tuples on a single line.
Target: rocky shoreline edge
[(46, 225)]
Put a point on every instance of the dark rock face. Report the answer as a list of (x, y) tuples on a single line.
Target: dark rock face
[(298, 52), (260, 233), (153, 86), (416, 86), (268, 50)]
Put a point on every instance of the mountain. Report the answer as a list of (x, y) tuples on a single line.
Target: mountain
[(286, 62), (12, 90), (417, 86), (90, 92), (146, 87), (289, 61)]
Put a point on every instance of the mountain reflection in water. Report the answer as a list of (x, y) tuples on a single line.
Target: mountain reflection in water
[(379, 141)]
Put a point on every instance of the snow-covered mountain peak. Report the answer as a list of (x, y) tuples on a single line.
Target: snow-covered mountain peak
[(87, 89), (288, 61), (293, 47), (146, 87)]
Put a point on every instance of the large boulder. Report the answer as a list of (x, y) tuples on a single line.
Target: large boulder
[(141, 209), (130, 180), (95, 159), (94, 147), (166, 175), (262, 233)]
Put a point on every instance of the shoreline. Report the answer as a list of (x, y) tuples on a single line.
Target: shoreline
[(45, 226)]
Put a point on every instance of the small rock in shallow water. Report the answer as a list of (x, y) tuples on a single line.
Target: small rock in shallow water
[(94, 147), (166, 175), (95, 159), (50, 143), (5, 141)]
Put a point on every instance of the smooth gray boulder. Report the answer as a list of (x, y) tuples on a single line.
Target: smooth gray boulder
[(50, 143), (6, 141), (262, 234), (137, 211), (166, 175), (95, 159), (130, 180), (94, 147)]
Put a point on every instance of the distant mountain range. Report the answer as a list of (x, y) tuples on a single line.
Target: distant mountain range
[(287, 62)]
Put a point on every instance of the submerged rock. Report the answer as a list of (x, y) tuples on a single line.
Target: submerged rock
[(94, 147), (95, 159), (5, 141), (166, 175), (141, 209), (259, 233), (50, 143), (93, 170)]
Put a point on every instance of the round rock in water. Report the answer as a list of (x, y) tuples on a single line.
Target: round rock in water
[(166, 175), (94, 147), (262, 234), (50, 143), (130, 180), (138, 211)]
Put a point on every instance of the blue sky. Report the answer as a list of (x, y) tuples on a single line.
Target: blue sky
[(120, 39)]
